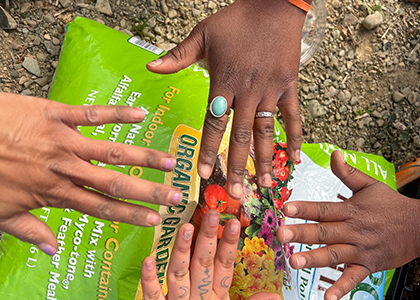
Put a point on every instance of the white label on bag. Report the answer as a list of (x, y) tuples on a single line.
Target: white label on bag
[(145, 45)]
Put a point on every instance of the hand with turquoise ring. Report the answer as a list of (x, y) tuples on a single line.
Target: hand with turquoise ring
[(252, 48)]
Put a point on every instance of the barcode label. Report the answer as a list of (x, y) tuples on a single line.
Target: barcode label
[(145, 45)]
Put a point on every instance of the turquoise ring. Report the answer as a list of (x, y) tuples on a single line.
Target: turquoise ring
[(218, 106)]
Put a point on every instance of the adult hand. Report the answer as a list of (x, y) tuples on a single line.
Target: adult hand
[(45, 161), (252, 49), (376, 229), (209, 274)]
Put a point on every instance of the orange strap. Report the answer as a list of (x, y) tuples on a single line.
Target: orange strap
[(301, 4)]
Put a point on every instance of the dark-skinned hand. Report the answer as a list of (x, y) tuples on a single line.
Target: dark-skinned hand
[(375, 230), (252, 49)]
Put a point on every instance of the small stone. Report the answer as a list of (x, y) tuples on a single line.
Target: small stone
[(22, 80), (416, 141), (353, 101), (28, 83), (104, 7), (49, 19), (47, 37), (412, 97), (25, 30), (32, 23), (212, 5), (397, 96), (54, 64), (42, 81), (351, 19), (373, 20), (195, 12), (6, 20), (332, 91), (164, 7), (172, 14), (41, 56), (52, 49), (36, 41), (350, 55), (316, 109), (32, 66), (27, 92), (25, 8), (336, 4), (360, 142), (65, 3), (55, 41), (377, 114), (377, 145), (406, 91), (417, 122), (400, 126), (14, 74), (123, 23), (349, 65)]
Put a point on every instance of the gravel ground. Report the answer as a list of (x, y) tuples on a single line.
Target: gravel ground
[(361, 91)]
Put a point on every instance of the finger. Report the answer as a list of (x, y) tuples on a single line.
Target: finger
[(28, 228), (202, 264), (149, 280), (183, 55), (213, 130), (91, 115), (225, 258), (351, 177), (265, 296), (289, 109), (318, 233), (317, 211), (352, 276), (178, 276), (263, 144), (120, 154), (331, 255), (240, 140), (126, 187), (103, 207)]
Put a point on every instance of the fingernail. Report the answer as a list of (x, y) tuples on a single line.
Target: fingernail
[(297, 156), (47, 249), (267, 180), (155, 63), (149, 265), (287, 235), (138, 113), (291, 210), (213, 219), (205, 171), (188, 235), (168, 163), (237, 190), (300, 262), (176, 198), (153, 219), (333, 297), (234, 228)]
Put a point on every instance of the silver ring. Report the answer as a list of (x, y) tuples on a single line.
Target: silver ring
[(264, 114)]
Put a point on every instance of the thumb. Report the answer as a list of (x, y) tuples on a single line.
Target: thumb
[(30, 229), (350, 176), (182, 56)]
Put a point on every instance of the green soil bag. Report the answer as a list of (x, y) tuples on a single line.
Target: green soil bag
[(100, 259)]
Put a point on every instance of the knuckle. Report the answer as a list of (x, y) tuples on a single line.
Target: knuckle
[(119, 114), (205, 262), (322, 233), (332, 256), (265, 161), (242, 136), (153, 295), (92, 114), (105, 210), (157, 195), (237, 171), (226, 263), (215, 127), (151, 159), (322, 210), (115, 155), (118, 186), (266, 131), (181, 275)]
